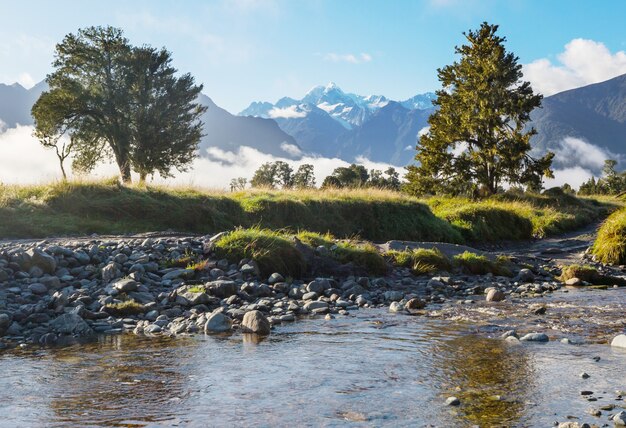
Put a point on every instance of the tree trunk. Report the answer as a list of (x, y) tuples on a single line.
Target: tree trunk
[(142, 178), (124, 165), (62, 169)]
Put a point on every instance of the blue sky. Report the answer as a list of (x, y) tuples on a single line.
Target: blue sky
[(245, 50)]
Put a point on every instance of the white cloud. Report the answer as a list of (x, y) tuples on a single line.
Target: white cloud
[(576, 152), (425, 130), (349, 58), (290, 112), (291, 149), (24, 160), (574, 176), (26, 80), (583, 62)]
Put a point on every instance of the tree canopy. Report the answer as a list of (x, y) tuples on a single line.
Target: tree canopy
[(115, 100), (477, 138)]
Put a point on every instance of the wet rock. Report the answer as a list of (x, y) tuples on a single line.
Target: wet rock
[(574, 281), (619, 341), (396, 307), (453, 401), (619, 419), (70, 324), (415, 304), (316, 305), (153, 329), (255, 322), (535, 337), (495, 295), (594, 412), (217, 323)]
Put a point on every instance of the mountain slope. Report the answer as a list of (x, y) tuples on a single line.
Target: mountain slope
[(595, 113), (228, 132), (16, 102)]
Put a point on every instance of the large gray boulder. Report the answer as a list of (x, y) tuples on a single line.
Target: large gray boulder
[(70, 324), (217, 323), (42, 260), (222, 288), (255, 322)]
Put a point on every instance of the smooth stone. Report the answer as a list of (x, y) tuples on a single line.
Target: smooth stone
[(535, 337), (274, 278), (415, 303), (452, 401), (255, 322), (38, 288), (316, 304), (70, 324), (217, 323), (619, 419), (619, 341), (396, 307), (495, 295), (125, 285)]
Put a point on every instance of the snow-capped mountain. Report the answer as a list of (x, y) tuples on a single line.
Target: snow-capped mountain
[(420, 101), (348, 109)]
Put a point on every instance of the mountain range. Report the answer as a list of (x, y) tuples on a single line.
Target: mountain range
[(332, 123)]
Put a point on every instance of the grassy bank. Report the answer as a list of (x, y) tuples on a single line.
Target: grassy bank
[(107, 208), (610, 245)]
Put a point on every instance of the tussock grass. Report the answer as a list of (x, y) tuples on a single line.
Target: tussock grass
[(475, 264), (127, 307), (610, 244), (582, 272), (272, 250), (421, 260)]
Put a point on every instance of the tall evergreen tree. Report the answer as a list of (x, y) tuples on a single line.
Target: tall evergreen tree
[(477, 138)]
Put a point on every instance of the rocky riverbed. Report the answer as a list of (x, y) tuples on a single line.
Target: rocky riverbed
[(62, 292)]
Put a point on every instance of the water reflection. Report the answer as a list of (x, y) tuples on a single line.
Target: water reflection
[(492, 378)]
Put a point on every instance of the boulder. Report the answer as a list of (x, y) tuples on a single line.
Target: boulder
[(535, 337), (415, 304), (495, 295), (217, 323), (125, 285), (525, 275), (619, 419), (255, 322), (396, 307), (70, 324), (315, 305), (274, 278), (38, 288), (619, 341), (574, 281), (222, 288), (42, 260)]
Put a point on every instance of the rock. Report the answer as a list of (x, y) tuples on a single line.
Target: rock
[(312, 295), (38, 288), (396, 307), (5, 322), (525, 275), (584, 375), (317, 286), (315, 305), (70, 324), (453, 401), (44, 261), (217, 323), (249, 269), (619, 341), (125, 285), (178, 273), (393, 295), (574, 281), (152, 329), (415, 304), (495, 295), (594, 412), (256, 322), (274, 278), (619, 419), (535, 337), (222, 288)]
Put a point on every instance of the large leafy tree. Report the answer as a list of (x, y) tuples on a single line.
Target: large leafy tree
[(478, 139), (121, 102)]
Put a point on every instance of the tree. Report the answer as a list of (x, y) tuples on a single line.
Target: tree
[(283, 174), (124, 102), (352, 176), (264, 176), (165, 116), (237, 184), (304, 178), (390, 179), (477, 136)]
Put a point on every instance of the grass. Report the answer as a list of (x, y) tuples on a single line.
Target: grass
[(197, 289), (610, 244), (127, 307), (421, 260), (106, 207), (476, 264), (582, 272)]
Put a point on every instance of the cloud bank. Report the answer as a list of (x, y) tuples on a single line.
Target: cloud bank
[(290, 112), (583, 62)]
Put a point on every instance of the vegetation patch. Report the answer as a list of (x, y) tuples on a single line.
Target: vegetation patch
[(476, 264), (610, 244), (420, 260), (583, 272), (125, 308), (272, 250)]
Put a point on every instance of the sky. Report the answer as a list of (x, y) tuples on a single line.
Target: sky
[(262, 50)]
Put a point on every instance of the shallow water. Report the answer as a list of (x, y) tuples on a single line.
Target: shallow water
[(370, 369)]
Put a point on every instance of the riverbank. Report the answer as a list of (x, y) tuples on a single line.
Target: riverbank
[(84, 208)]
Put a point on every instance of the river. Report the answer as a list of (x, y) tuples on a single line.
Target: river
[(369, 369)]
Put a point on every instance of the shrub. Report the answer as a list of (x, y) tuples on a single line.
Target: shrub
[(420, 260), (480, 265), (125, 308), (610, 244)]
